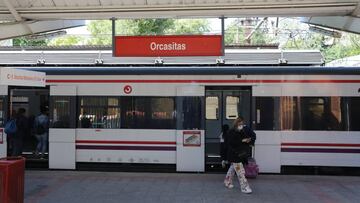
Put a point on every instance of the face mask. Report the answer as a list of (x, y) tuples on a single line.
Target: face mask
[(240, 127)]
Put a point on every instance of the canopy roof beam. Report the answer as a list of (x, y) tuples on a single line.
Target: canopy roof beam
[(13, 10), (356, 11)]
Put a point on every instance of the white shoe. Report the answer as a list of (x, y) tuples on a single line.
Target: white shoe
[(246, 190), (229, 185)]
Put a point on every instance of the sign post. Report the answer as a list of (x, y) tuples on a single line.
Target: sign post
[(113, 35)]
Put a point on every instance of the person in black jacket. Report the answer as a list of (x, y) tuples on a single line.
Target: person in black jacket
[(239, 139), (22, 130)]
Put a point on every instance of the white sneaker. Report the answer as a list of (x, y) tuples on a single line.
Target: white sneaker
[(246, 190), (229, 185)]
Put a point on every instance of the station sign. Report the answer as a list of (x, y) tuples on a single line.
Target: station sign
[(168, 45), (12, 76)]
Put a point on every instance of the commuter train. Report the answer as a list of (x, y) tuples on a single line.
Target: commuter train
[(110, 110)]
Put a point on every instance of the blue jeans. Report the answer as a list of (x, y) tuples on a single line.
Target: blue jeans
[(42, 142)]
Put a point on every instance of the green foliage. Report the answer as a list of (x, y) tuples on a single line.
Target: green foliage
[(235, 34), (331, 48), (22, 41), (148, 26), (67, 40), (100, 32), (101, 29), (190, 26)]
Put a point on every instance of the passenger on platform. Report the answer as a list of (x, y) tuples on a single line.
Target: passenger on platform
[(223, 144), (9, 137), (22, 130), (239, 138), (41, 126)]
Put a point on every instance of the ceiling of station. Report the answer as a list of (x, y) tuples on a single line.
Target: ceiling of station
[(105, 9), (21, 16)]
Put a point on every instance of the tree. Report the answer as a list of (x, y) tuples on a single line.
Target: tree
[(101, 29), (236, 33), (299, 37), (190, 26), (67, 40), (332, 48)]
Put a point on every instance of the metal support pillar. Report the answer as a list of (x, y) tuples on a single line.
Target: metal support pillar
[(223, 35), (113, 35)]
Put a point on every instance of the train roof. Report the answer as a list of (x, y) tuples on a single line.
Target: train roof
[(197, 70), (233, 57)]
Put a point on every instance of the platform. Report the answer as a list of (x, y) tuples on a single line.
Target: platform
[(81, 186)]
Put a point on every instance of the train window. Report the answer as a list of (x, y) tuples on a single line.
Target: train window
[(99, 112), (191, 113), (354, 110), (212, 108), (288, 110), (312, 113), (60, 115), (265, 119), (232, 110), (2, 115), (148, 112)]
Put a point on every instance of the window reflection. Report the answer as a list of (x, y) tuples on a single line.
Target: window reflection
[(311, 113), (99, 112), (61, 112), (148, 112), (192, 113), (354, 110), (212, 107), (232, 104), (2, 115)]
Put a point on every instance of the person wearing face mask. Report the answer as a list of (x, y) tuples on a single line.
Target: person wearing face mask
[(240, 137)]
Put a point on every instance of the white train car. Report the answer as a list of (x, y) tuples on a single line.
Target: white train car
[(172, 114)]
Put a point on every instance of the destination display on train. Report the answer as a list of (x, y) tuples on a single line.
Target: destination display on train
[(168, 45)]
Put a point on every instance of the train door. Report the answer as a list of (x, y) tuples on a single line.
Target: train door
[(223, 105), (32, 99)]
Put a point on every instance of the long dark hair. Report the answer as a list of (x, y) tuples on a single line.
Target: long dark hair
[(237, 121)]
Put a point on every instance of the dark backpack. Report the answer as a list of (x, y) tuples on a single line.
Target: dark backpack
[(10, 127)]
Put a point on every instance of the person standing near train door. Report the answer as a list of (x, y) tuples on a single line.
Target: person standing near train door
[(41, 126), (239, 140), (22, 130)]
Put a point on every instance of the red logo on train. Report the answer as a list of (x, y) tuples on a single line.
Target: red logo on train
[(127, 89)]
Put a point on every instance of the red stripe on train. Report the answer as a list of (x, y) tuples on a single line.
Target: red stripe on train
[(321, 144), (124, 142), (203, 81)]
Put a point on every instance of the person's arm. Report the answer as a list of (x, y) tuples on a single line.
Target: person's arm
[(251, 134)]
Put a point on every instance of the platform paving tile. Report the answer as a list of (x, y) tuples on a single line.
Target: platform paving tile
[(103, 187)]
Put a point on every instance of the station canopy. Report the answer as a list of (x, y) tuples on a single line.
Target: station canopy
[(18, 16)]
